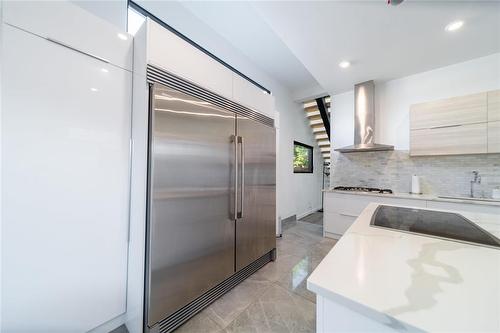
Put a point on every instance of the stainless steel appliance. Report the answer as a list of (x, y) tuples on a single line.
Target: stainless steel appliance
[(211, 200), (363, 189), (451, 226), (364, 121)]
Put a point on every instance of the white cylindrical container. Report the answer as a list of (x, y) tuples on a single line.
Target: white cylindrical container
[(415, 185), (495, 193)]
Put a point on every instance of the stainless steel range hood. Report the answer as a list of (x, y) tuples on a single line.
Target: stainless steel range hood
[(364, 120)]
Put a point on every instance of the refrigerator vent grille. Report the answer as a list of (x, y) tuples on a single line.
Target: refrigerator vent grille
[(157, 75), (188, 311)]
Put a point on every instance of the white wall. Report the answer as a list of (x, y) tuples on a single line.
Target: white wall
[(393, 98), (298, 194)]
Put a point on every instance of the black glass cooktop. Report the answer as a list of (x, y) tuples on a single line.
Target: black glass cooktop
[(433, 223)]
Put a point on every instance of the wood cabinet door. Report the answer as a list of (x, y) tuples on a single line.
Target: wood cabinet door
[(494, 137), (451, 140), (451, 111), (494, 105)]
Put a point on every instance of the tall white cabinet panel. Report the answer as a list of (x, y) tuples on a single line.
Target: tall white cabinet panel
[(65, 170), (170, 52), (68, 24), (251, 96)]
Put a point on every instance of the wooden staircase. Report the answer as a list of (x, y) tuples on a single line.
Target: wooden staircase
[(316, 122)]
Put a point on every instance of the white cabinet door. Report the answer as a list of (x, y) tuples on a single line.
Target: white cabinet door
[(338, 223), (251, 96), (73, 26), (350, 204), (177, 56), (65, 165)]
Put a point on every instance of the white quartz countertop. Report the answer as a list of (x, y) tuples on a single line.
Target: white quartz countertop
[(427, 197), (420, 282)]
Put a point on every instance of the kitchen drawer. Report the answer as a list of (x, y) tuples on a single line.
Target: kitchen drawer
[(347, 203), (494, 137), (494, 105), (451, 111), (474, 208), (338, 223), (460, 139)]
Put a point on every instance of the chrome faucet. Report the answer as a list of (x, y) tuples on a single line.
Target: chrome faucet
[(475, 180)]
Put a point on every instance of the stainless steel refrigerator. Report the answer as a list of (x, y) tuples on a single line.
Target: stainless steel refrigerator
[(211, 202)]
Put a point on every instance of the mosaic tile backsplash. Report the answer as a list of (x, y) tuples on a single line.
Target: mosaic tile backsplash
[(440, 175)]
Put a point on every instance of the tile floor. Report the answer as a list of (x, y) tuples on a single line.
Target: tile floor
[(275, 298)]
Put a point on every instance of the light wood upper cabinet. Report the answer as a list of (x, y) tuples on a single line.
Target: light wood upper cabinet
[(459, 125), (494, 105), (468, 109), (494, 137), (453, 140)]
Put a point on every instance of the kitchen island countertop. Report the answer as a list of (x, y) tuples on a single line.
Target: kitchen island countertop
[(413, 282)]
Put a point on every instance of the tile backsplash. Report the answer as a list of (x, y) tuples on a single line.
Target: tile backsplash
[(440, 175)]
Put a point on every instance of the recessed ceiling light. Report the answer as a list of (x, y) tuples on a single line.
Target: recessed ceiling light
[(122, 36), (94, 89), (344, 64), (455, 25), (104, 70)]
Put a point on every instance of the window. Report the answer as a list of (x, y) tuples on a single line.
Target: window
[(302, 158)]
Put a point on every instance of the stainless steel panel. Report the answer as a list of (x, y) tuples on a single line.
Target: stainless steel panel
[(158, 75), (256, 226), (191, 225)]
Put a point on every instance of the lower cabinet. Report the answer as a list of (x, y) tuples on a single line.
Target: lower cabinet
[(336, 224)]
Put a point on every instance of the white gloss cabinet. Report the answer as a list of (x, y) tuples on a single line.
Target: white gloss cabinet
[(170, 52), (67, 23), (173, 54), (65, 169), (252, 96)]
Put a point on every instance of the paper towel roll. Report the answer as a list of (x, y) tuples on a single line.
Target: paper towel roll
[(415, 184)]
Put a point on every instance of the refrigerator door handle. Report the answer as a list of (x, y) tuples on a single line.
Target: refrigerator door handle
[(235, 139), (242, 175)]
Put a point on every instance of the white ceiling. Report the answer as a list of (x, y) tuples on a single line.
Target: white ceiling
[(299, 43), (243, 27)]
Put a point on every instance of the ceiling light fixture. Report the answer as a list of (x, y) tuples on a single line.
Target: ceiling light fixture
[(122, 36), (344, 64), (94, 89), (453, 26), (104, 70)]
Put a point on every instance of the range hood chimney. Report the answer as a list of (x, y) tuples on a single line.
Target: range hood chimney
[(364, 120)]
